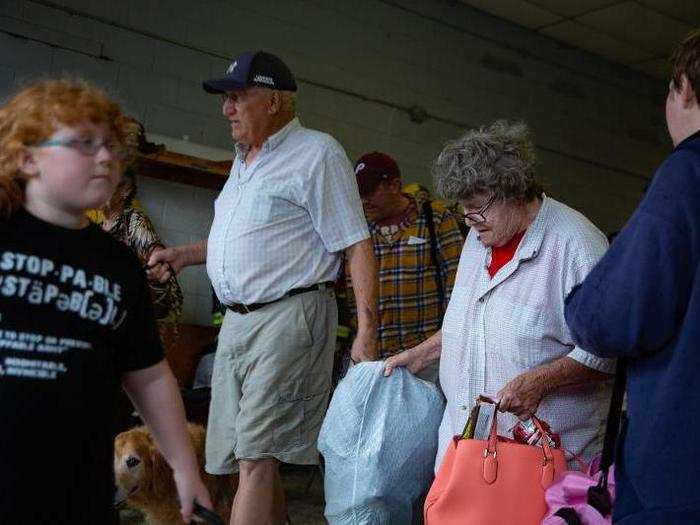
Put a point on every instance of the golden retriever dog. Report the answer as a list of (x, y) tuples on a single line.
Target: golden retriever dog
[(145, 481)]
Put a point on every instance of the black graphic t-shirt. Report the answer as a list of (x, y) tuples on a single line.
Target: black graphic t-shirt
[(75, 313)]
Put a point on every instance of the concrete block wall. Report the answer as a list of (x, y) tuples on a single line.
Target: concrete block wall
[(182, 215), (360, 65)]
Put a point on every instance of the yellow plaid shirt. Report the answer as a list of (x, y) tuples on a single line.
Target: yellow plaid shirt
[(408, 298)]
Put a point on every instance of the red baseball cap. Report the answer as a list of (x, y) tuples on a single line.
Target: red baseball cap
[(372, 168)]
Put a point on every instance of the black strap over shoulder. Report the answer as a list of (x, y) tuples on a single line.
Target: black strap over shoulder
[(615, 415), (439, 282), (598, 495)]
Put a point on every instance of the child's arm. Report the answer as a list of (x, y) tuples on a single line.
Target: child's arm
[(155, 394)]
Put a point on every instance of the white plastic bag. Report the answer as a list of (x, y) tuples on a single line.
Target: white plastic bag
[(379, 441)]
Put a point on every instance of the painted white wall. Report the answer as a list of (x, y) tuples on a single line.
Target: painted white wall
[(598, 126)]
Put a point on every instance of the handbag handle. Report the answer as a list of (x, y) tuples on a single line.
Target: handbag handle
[(548, 465), (493, 439), (490, 463)]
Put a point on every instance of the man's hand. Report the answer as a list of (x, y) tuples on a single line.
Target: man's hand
[(364, 347), (411, 359), (190, 488), (522, 395), (164, 263)]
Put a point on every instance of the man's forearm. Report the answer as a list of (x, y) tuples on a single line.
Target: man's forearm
[(360, 257), (567, 372), (194, 254)]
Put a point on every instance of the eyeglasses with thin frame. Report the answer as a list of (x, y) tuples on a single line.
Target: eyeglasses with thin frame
[(477, 217), (89, 146), (235, 96), (231, 96)]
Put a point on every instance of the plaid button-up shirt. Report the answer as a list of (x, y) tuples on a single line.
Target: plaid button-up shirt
[(408, 299)]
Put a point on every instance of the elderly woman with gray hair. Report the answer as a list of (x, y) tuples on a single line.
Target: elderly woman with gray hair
[(504, 332)]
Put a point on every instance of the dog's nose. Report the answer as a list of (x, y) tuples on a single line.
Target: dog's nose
[(119, 497)]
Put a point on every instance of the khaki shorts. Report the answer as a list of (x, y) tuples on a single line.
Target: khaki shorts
[(270, 383)]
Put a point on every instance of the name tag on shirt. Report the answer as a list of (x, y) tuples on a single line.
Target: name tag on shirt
[(416, 240)]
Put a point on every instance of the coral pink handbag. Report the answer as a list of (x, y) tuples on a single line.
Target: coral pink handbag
[(493, 482)]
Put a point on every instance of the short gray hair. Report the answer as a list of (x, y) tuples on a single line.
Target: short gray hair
[(288, 102), (498, 159), (288, 99)]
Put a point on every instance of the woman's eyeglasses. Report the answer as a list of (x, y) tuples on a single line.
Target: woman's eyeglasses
[(477, 217)]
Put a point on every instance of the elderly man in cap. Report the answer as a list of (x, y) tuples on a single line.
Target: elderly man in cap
[(289, 210), (417, 248)]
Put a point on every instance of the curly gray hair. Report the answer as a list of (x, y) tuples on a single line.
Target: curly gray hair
[(498, 159)]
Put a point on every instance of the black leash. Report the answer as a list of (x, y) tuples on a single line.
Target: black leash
[(209, 516)]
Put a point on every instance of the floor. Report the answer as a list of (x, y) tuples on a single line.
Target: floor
[(304, 488)]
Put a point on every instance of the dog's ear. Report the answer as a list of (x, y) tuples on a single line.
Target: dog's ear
[(161, 475)]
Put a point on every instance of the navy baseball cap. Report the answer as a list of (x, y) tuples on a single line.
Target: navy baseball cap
[(253, 68)]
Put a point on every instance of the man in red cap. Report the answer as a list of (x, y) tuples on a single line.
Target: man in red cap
[(417, 251)]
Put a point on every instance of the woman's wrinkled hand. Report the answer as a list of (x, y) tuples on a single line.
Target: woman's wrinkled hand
[(411, 359), (522, 395)]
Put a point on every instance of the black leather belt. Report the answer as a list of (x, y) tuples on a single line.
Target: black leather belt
[(247, 308)]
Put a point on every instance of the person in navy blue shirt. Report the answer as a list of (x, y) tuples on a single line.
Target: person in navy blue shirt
[(642, 302)]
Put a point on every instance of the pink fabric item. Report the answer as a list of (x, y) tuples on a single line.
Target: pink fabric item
[(570, 489)]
